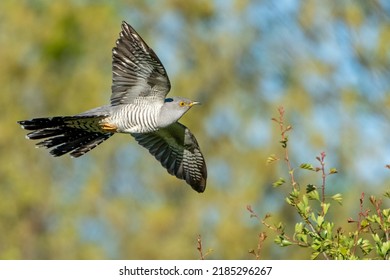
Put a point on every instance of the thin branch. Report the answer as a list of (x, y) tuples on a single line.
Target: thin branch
[(199, 247), (262, 236), (377, 204), (321, 159), (359, 221), (284, 140)]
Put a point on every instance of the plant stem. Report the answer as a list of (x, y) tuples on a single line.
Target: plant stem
[(321, 159), (199, 247), (283, 131)]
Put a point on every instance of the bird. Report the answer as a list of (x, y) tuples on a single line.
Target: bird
[(139, 106)]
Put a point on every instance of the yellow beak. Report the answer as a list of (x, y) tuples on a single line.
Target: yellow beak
[(194, 103)]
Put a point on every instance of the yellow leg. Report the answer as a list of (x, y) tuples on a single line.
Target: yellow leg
[(108, 127)]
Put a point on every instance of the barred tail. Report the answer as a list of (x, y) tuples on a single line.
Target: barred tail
[(76, 135)]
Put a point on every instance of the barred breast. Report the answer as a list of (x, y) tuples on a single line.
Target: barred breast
[(130, 118)]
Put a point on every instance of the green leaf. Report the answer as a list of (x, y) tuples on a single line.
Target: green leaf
[(376, 238), (294, 193), (385, 249), (320, 220), (316, 246), (314, 195), (329, 227), (333, 171), (284, 142), (326, 234), (314, 255), (313, 217), (278, 240), (307, 166), (285, 243), (290, 201), (301, 208), (271, 159), (298, 227), (370, 219), (280, 226), (310, 188), (376, 218), (338, 198), (325, 207), (366, 246), (302, 238), (278, 183), (327, 243)]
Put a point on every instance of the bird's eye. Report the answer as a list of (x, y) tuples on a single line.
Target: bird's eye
[(181, 104)]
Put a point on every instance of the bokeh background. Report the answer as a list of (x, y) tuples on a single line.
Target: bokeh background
[(326, 62)]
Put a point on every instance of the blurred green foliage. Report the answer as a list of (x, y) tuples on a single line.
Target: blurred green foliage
[(326, 62), (313, 231)]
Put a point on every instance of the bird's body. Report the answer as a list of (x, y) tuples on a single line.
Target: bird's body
[(132, 119), (138, 107)]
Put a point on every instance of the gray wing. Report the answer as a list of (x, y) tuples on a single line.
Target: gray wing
[(176, 148), (137, 72)]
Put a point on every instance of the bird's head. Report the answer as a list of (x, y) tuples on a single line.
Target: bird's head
[(180, 102), (174, 108)]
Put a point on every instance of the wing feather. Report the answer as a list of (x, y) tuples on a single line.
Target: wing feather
[(137, 72), (176, 148)]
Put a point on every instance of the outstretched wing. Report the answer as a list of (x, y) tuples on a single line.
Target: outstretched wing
[(137, 72), (176, 148)]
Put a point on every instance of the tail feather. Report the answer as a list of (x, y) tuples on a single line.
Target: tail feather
[(40, 123), (75, 135), (44, 133)]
